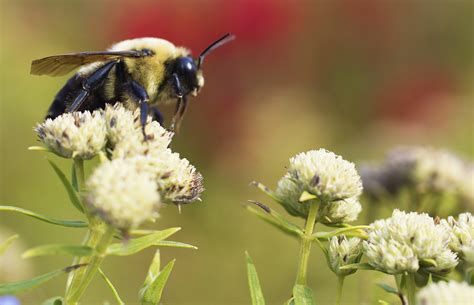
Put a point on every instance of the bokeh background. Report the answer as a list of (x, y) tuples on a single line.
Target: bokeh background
[(355, 77)]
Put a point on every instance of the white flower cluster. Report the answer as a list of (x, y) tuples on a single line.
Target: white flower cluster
[(142, 171), (343, 252), (423, 169), (74, 135), (407, 242), (442, 293), (462, 232), (121, 195), (327, 176)]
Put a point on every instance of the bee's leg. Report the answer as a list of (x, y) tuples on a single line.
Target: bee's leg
[(140, 95), (179, 94), (89, 84), (156, 115), (182, 111)]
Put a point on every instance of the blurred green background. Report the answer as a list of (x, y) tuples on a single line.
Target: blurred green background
[(355, 77)]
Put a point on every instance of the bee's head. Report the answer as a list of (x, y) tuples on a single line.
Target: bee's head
[(189, 70), (189, 75)]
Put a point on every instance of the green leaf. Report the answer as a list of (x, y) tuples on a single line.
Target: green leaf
[(388, 288), (39, 148), (382, 302), (272, 217), (254, 284), (22, 286), (54, 301), (305, 196), (64, 223), (111, 286), (7, 243), (73, 195), (58, 249), (358, 266), (346, 231), (175, 244), (153, 270), (152, 292), (290, 301), (138, 244), (303, 295)]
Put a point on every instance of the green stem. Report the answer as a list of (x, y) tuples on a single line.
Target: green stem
[(100, 237), (79, 166), (306, 242), (411, 288), (340, 285)]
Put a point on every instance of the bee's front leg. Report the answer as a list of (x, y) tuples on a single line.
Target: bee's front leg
[(141, 96)]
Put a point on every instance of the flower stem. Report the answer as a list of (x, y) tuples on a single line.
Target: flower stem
[(411, 288), (340, 285), (305, 247), (79, 167), (99, 237)]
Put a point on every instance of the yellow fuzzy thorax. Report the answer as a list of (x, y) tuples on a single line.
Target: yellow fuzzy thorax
[(149, 71)]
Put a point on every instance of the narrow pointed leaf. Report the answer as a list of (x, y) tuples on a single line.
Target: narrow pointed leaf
[(73, 195), (153, 271), (58, 249), (138, 244), (272, 217), (7, 243), (152, 293), (382, 302), (254, 284), (25, 285), (39, 148), (175, 244), (359, 266), (305, 196), (64, 223), (346, 231), (111, 286), (54, 301), (388, 288), (265, 189), (303, 295)]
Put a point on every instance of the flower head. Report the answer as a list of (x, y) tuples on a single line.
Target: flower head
[(120, 123), (342, 252), (79, 135), (341, 211), (325, 175), (288, 194), (443, 293), (405, 242), (121, 194), (176, 179), (462, 231)]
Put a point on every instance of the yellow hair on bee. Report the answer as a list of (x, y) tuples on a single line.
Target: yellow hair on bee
[(147, 71)]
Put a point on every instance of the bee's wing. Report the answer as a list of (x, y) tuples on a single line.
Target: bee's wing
[(62, 64)]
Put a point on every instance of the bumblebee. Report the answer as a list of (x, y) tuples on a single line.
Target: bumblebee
[(141, 72)]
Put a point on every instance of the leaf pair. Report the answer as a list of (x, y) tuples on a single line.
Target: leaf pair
[(156, 279)]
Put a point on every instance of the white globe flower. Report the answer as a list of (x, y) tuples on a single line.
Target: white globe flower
[(342, 252), (120, 123), (462, 231), (80, 135), (122, 195), (326, 175), (406, 241), (288, 194), (443, 293)]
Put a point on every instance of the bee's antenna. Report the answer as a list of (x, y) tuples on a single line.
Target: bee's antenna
[(219, 42)]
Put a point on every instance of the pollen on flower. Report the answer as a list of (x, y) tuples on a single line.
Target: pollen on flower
[(122, 195), (342, 252), (404, 241), (80, 135), (443, 293), (326, 175)]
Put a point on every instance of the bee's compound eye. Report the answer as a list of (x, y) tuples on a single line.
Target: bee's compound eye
[(186, 69)]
